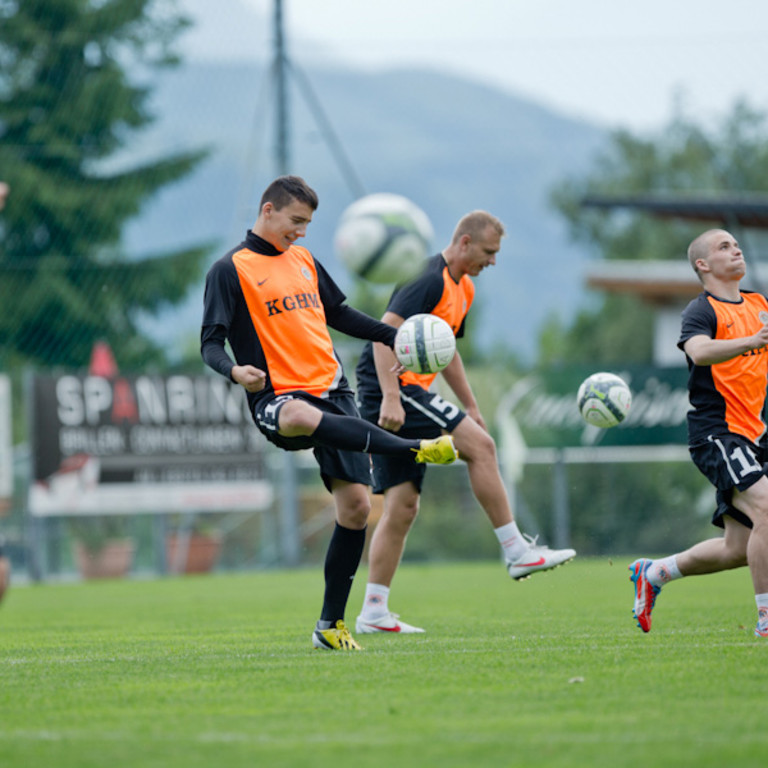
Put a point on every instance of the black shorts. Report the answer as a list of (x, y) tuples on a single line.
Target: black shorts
[(729, 461), (351, 466), (427, 415)]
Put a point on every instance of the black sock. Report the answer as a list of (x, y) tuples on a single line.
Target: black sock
[(341, 560), (350, 434)]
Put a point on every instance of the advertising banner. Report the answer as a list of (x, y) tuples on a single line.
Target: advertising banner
[(144, 444), (544, 407)]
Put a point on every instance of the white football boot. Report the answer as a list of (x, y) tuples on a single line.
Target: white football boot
[(389, 622), (538, 558)]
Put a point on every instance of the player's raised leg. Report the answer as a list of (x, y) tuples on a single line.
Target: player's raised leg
[(523, 556), (297, 417)]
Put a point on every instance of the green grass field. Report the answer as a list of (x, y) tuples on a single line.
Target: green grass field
[(219, 671)]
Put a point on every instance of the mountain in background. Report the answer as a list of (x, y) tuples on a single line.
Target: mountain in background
[(448, 144)]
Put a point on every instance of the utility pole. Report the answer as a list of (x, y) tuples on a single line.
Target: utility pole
[(290, 519), (280, 72), (281, 68)]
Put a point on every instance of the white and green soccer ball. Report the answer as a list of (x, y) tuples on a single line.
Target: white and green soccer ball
[(384, 238), (604, 400), (425, 343)]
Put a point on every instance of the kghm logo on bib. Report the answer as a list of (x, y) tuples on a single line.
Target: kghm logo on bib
[(292, 303)]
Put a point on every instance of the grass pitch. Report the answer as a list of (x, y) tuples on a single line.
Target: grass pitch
[(219, 671)]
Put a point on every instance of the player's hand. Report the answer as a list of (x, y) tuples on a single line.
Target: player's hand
[(391, 414), (760, 339), (397, 368), (250, 377)]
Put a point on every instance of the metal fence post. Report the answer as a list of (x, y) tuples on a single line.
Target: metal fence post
[(561, 513)]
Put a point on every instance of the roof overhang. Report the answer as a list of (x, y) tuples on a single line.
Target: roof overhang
[(726, 210), (658, 282), (669, 282)]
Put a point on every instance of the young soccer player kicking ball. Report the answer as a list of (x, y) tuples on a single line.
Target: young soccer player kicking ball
[(273, 302)]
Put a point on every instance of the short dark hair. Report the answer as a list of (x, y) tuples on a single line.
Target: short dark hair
[(285, 189)]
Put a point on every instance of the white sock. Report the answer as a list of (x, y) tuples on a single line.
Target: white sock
[(664, 570), (511, 540), (376, 600), (762, 609)]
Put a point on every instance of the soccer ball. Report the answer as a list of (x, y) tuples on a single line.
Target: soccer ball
[(425, 343), (383, 238), (604, 400)]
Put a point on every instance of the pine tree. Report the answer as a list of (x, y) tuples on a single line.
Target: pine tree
[(75, 80)]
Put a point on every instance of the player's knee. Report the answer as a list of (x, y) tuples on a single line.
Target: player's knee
[(297, 418), (759, 519), (482, 448), (401, 508), (354, 512), (756, 508), (408, 510)]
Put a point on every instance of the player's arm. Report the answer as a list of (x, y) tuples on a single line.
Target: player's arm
[(391, 412), (212, 338), (341, 317), (353, 322), (221, 289), (704, 350), (456, 376)]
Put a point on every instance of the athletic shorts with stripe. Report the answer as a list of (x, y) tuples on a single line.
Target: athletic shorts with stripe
[(427, 415), (352, 466), (729, 461)]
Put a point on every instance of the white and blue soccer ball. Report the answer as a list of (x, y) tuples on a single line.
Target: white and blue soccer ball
[(604, 400), (425, 343), (384, 238)]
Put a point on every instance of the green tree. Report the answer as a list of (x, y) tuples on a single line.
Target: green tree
[(75, 78), (731, 156)]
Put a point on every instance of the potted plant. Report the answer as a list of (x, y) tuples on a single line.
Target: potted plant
[(101, 547), (192, 547)]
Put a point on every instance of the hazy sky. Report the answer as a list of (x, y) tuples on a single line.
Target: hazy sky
[(606, 61)]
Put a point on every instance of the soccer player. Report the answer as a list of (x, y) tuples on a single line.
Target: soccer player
[(273, 302), (725, 339), (405, 405)]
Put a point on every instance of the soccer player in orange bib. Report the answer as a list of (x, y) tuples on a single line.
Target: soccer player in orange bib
[(406, 405), (725, 339), (273, 301)]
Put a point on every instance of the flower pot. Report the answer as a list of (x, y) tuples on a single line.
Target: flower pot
[(201, 555), (113, 560)]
